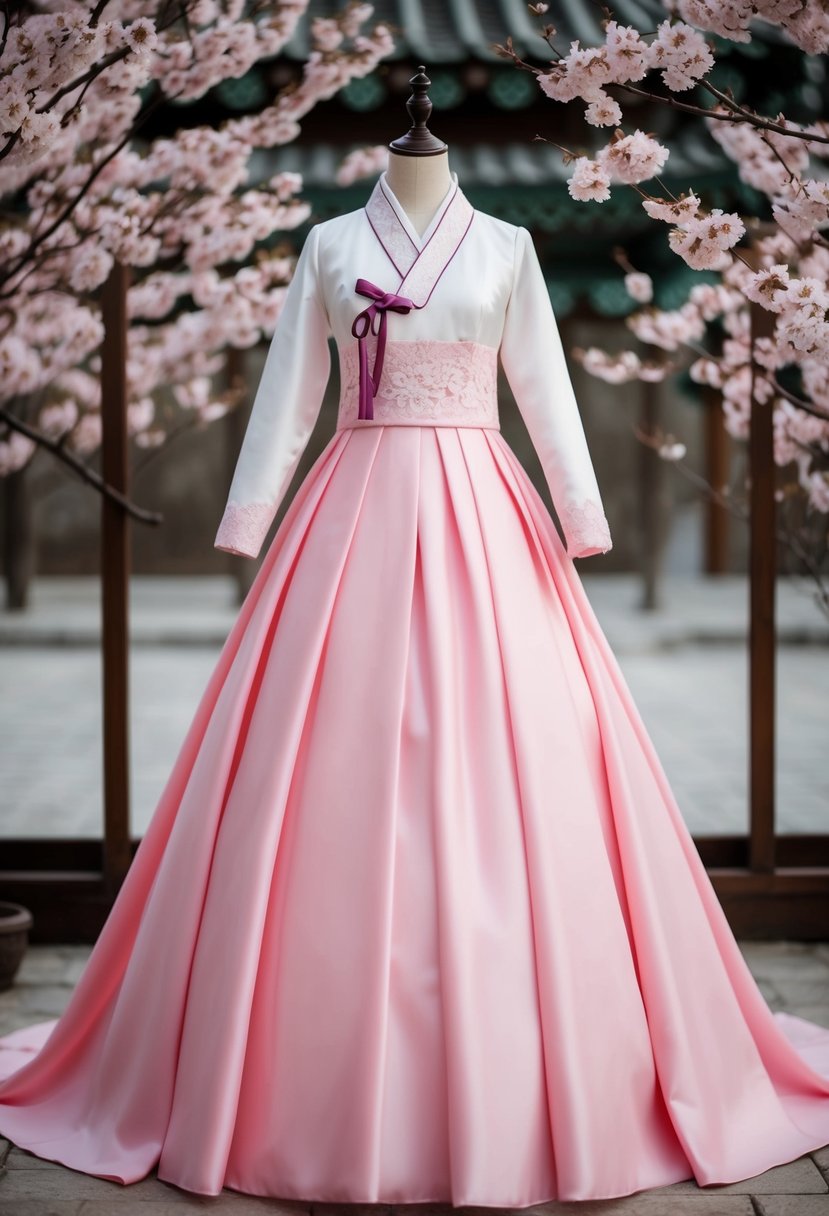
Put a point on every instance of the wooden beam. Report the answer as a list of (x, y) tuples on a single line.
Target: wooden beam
[(115, 562), (653, 510), (762, 640), (717, 471)]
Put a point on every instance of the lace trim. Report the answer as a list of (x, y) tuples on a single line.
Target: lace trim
[(420, 268), (390, 232), (586, 528), (426, 380), (244, 526), (439, 250)]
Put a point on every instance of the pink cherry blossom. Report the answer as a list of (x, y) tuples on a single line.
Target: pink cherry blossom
[(140, 414), (639, 286), (681, 54), (85, 437), (362, 162), (627, 53), (706, 371), (91, 271), (614, 369), (621, 367), (704, 242), (632, 158), (768, 286), (667, 329), (140, 36), (806, 24), (603, 111), (55, 420), (186, 200), (16, 451), (589, 180), (789, 272), (674, 211), (817, 484)]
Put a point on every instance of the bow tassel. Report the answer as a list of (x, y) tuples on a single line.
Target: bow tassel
[(382, 302)]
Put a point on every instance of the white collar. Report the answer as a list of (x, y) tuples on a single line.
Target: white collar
[(419, 260), (416, 238)]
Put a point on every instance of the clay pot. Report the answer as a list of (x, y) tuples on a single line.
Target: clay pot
[(15, 923)]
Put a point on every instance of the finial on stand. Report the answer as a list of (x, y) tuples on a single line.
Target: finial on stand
[(419, 140)]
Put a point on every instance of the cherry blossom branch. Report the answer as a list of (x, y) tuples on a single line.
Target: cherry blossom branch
[(655, 442), (736, 112), (96, 171), (58, 449), (783, 267), (807, 406), (749, 117), (95, 15), (180, 210), (785, 536)]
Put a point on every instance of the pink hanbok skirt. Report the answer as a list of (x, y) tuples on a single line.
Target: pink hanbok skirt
[(417, 917)]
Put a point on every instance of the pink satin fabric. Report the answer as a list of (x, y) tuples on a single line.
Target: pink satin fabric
[(417, 917)]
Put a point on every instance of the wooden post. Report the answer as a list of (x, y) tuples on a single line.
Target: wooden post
[(717, 474), (654, 508), (19, 547), (115, 563), (762, 571)]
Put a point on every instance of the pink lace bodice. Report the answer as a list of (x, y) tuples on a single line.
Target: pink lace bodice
[(425, 383)]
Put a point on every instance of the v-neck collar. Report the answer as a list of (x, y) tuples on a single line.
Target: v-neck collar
[(419, 261), (414, 236)]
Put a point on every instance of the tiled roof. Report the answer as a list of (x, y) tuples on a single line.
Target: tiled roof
[(453, 31)]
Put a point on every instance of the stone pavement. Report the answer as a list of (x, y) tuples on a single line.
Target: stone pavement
[(200, 611), (685, 665), (792, 976)]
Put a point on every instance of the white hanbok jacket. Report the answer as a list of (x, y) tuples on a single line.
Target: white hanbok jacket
[(367, 278)]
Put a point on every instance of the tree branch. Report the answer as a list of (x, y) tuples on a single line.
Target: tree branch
[(58, 449)]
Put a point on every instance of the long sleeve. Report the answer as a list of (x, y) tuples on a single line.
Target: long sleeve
[(533, 359), (286, 406)]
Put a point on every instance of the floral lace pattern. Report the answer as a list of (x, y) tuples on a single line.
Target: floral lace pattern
[(586, 528), (420, 266), (244, 526), (426, 383), (390, 232)]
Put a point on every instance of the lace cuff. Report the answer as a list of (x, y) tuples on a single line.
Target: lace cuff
[(586, 529), (243, 527)]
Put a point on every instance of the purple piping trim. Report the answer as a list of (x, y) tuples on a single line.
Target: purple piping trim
[(446, 206), (448, 260), (425, 247), (420, 252), (432, 237)]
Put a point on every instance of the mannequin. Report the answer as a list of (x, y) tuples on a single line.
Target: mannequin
[(418, 170)]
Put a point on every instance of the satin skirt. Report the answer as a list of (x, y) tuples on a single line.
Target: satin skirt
[(417, 917)]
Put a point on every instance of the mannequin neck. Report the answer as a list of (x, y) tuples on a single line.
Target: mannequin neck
[(420, 184)]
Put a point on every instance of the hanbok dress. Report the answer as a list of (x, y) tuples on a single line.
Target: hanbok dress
[(417, 917)]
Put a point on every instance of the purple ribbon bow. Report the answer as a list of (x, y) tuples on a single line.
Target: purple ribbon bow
[(382, 302)]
